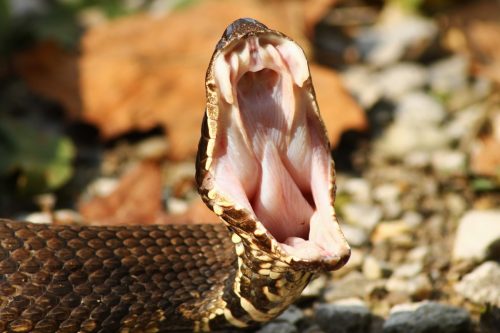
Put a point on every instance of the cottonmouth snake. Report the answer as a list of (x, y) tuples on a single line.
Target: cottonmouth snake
[(263, 166)]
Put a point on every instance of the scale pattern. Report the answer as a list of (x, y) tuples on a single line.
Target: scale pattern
[(106, 279)]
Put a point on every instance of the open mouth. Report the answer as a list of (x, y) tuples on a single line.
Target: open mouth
[(271, 154)]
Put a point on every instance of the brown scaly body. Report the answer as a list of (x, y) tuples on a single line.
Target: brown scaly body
[(98, 279), (187, 277)]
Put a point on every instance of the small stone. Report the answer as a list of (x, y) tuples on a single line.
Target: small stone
[(38, 218), (278, 327), (372, 268), (418, 254), (337, 318), (449, 162), (456, 203), (482, 285), (477, 232), (401, 139), (313, 329), (464, 121), (360, 81), (362, 215), (417, 287), (386, 192), (401, 78), (418, 159), (420, 110), (358, 188), (412, 219), (152, 148), (177, 206), (392, 209), (408, 270), (355, 236), (102, 187), (449, 75), (354, 284), (428, 317), (388, 230), (395, 37), (291, 315)]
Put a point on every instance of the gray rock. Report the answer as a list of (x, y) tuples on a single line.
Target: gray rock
[(278, 327), (478, 232), (358, 188), (354, 284), (393, 36), (399, 79), (449, 75), (401, 139), (482, 285), (419, 286), (363, 215), (464, 121), (418, 254), (360, 81), (372, 268), (313, 329), (291, 315), (449, 162), (420, 110), (408, 270), (355, 236), (336, 318), (429, 317), (386, 192)]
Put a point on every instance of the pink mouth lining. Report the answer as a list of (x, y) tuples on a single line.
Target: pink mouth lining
[(272, 159)]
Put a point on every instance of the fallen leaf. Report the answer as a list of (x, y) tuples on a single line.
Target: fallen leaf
[(136, 200), (485, 158), (141, 71), (338, 109), (53, 72)]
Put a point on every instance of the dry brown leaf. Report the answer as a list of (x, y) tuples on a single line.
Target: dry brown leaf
[(136, 200), (485, 160), (339, 110), (141, 71), (52, 72)]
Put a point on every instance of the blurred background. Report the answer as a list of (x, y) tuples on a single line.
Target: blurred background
[(100, 110)]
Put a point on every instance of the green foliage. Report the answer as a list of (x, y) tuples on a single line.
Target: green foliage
[(484, 184), (39, 160), (408, 5)]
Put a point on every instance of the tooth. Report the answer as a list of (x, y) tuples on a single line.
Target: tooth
[(275, 57), (235, 62), (222, 73), (296, 60), (245, 57)]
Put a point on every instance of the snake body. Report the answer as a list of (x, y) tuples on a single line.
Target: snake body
[(280, 227)]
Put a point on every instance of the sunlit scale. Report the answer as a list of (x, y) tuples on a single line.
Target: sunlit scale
[(272, 159)]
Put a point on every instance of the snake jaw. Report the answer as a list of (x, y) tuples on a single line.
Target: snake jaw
[(266, 149)]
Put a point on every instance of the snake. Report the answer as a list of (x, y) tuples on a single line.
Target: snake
[(263, 166)]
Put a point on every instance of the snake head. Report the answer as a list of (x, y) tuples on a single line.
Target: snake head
[(264, 163)]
